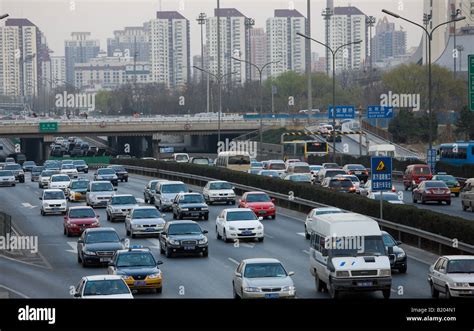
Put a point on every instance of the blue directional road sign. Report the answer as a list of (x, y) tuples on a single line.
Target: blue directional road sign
[(381, 168), (379, 112), (342, 112), (431, 159)]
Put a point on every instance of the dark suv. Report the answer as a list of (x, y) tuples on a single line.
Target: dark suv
[(190, 205), (97, 246), (183, 237), (17, 171)]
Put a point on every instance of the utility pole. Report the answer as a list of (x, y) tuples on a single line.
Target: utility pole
[(360, 134), (454, 15), (219, 68), (308, 57), (327, 13), (370, 23), (426, 22), (249, 23), (201, 21)]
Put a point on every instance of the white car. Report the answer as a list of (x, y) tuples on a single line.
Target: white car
[(61, 182), (53, 201), (7, 178), (69, 169), (145, 220), (262, 278), (219, 191), (103, 287), (389, 197), (452, 275), (239, 223), (45, 177), (99, 193), (119, 206), (181, 157), (313, 217)]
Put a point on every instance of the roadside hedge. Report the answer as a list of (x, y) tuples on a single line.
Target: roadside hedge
[(445, 225)]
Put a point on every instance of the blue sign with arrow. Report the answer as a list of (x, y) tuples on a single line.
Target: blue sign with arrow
[(379, 112), (342, 112)]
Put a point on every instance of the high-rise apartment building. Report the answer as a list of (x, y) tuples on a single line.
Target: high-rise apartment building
[(79, 49)]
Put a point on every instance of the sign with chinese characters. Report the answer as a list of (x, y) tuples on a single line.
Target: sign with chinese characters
[(342, 112), (379, 112), (48, 127), (381, 168)]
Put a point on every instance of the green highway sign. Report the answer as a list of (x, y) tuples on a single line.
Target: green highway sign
[(471, 82), (48, 127)]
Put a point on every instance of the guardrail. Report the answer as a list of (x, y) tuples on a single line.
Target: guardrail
[(437, 243)]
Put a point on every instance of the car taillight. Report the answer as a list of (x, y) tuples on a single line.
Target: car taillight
[(366, 172), (393, 189), (350, 172), (352, 188)]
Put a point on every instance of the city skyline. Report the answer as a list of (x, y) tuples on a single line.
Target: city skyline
[(88, 16)]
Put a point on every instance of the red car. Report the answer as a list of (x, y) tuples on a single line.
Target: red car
[(260, 203), (432, 190), (415, 174), (78, 219)]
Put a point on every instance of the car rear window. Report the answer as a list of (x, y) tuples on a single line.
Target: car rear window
[(422, 171)]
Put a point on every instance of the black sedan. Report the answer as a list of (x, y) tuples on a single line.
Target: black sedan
[(190, 205), (121, 172), (393, 246), (97, 246), (184, 237)]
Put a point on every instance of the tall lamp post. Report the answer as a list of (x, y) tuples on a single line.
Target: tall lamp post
[(334, 53), (370, 22), (260, 74), (429, 35), (249, 23), (219, 79), (454, 14)]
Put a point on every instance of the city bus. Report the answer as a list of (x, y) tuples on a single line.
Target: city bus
[(239, 161), (301, 149), (458, 153)]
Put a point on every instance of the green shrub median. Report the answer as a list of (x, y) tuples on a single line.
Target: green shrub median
[(436, 223)]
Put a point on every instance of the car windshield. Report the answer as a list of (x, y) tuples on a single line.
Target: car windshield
[(135, 259), (54, 195), (315, 168), (258, 198), (187, 228), (101, 187), (461, 266), (446, 178), (331, 165), (333, 173), (372, 246), (81, 213), (47, 173), (269, 173), (146, 213), (264, 270), (300, 178), (118, 169), (355, 167), (68, 166), (182, 158), (37, 169), (123, 200), (29, 163), (277, 166), (256, 164), (431, 184), (192, 198), (79, 162), (12, 167), (106, 171), (340, 183), (201, 161), (422, 171), (239, 159), (324, 212), (6, 173), (220, 186), (106, 287), (245, 215), (102, 237), (353, 179), (301, 169), (174, 188), (60, 178), (80, 184), (388, 240)]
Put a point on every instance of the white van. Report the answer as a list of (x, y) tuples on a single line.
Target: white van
[(382, 150), (347, 253), (181, 157)]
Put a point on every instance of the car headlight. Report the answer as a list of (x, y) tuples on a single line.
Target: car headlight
[(202, 241), (260, 227), (252, 289), (184, 209), (231, 228), (344, 273), (63, 204), (289, 288), (21, 173), (45, 204), (401, 255), (174, 242), (205, 209), (89, 253), (96, 223), (125, 277), (155, 275), (165, 200), (385, 272), (461, 284), (136, 226)]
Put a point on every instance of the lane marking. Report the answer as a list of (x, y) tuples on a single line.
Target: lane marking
[(73, 245), (305, 251), (247, 245), (233, 261), (28, 205), (271, 237), (14, 291), (419, 260), (301, 234)]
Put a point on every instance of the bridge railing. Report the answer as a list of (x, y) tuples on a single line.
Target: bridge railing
[(437, 243)]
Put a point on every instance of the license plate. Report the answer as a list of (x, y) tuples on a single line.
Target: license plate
[(150, 230), (105, 259), (189, 248), (262, 212), (358, 172), (246, 233), (194, 214), (139, 283), (272, 296), (364, 284), (422, 178), (55, 209)]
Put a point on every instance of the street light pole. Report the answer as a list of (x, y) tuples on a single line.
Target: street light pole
[(3, 16), (308, 58), (260, 73), (219, 69), (455, 14), (334, 53), (429, 35)]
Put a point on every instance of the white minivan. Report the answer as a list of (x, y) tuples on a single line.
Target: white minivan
[(347, 253)]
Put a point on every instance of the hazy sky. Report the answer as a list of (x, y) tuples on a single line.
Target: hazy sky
[(58, 18)]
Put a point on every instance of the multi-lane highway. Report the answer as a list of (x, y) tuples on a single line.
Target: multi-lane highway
[(187, 277)]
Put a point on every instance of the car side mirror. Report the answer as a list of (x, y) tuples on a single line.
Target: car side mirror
[(399, 243), (190, 191), (41, 198), (273, 200), (238, 274), (77, 295), (205, 231), (291, 273), (97, 216), (111, 264), (115, 189), (233, 187), (260, 218), (390, 250), (65, 217), (80, 241), (88, 190), (159, 263), (163, 234)]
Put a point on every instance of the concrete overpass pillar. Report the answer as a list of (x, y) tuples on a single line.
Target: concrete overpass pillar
[(155, 145)]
